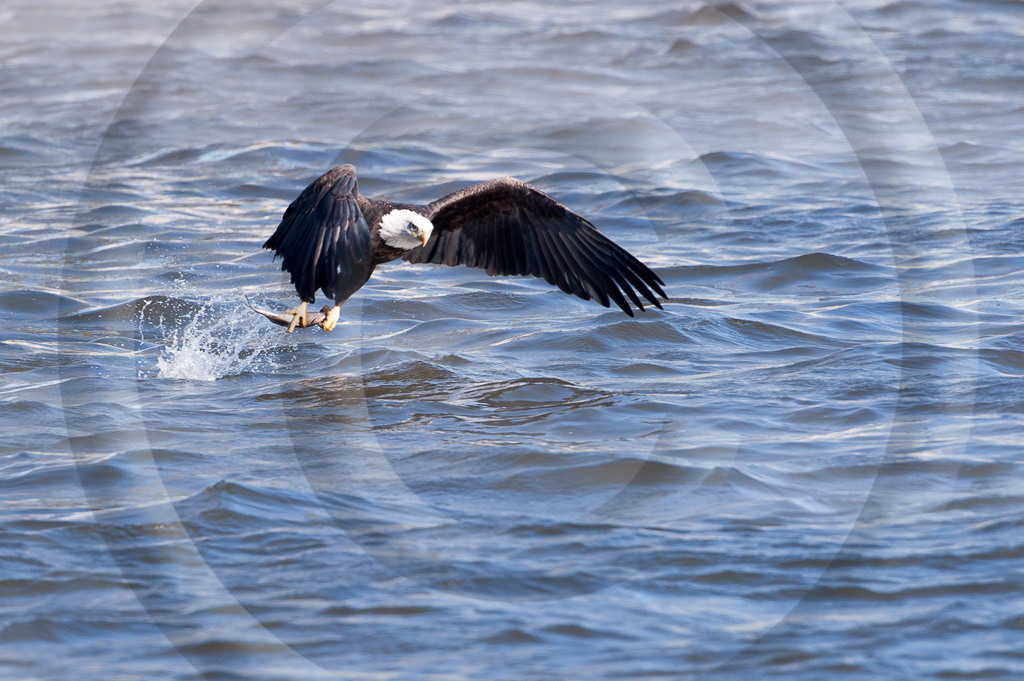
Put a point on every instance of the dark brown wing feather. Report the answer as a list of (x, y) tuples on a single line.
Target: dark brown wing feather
[(505, 226), (323, 238)]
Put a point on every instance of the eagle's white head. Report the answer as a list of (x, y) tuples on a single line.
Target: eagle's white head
[(405, 229)]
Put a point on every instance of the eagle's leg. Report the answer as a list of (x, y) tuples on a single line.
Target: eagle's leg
[(332, 316), (298, 316)]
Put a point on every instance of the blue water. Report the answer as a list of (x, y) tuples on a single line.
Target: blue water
[(808, 466)]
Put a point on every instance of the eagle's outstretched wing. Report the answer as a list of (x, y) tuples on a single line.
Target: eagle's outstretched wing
[(323, 238), (505, 226)]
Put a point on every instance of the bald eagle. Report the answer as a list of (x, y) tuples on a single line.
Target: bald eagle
[(331, 238)]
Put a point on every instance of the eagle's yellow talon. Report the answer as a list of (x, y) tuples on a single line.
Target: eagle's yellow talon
[(298, 317), (332, 317)]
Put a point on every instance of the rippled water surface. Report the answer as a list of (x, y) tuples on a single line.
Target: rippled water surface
[(807, 466)]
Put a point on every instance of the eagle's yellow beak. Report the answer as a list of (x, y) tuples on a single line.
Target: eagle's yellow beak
[(423, 237)]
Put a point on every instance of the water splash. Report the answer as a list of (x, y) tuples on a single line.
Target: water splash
[(221, 339)]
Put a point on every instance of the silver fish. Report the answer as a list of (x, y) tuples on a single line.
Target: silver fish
[(285, 318)]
